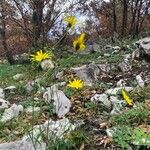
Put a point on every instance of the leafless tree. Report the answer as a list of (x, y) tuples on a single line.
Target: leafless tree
[(3, 24)]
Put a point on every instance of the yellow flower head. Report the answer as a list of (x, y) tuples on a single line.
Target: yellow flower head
[(79, 43), (71, 20), (126, 97), (77, 84), (39, 56)]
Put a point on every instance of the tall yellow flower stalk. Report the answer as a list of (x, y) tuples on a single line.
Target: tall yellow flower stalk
[(40, 56), (79, 43)]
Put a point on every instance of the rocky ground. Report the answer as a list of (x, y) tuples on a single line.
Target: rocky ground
[(38, 110)]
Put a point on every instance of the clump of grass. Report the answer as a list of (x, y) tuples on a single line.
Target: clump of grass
[(72, 141), (126, 124), (141, 94), (122, 137), (69, 92), (134, 116), (126, 136), (73, 60)]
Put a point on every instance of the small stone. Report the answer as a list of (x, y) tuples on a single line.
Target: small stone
[(125, 66), (102, 98), (96, 47), (128, 56), (18, 76), (121, 83), (4, 104), (110, 133), (59, 75), (41, 90), (31, 109), (2, 95), (3, 61), (117, 105), (107, 55), (47, 64), (143, 49), (142, 141), (36, 98), (144, 44), (108, 47), (38, 80), (10, 89), (104, 68), (140, 81), (29, 86), (136, 54), (22, 58), (116, 48)]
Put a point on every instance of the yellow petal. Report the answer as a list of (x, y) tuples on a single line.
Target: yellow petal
[(127, 98)]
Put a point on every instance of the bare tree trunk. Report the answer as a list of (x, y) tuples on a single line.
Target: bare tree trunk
[(37, 21), (136, 32), (134, 13), (125, 17), (114, 15), (3, 32)]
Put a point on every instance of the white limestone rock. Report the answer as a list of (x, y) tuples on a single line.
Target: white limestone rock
[(143, 49), (50, 93), (22, 145), (136, 54), (102, 98), (4, 104), (10, 89), (31, 109), (59, 75), (117, 105), (121, 83), (106, 68), (2, 94), (115, 91), (18, 76), (54, 129), (116, 49), (125, 66), (61, 103), (11, 112), (140, 81), (47, 64), (142, 141), (107, 55), (29, 86), (144, 44), (87, 73), (110, 133)]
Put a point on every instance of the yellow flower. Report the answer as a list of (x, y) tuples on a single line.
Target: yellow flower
[(77, 84), (39, 56), (71, 20), (79, 43), (126, 97)]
